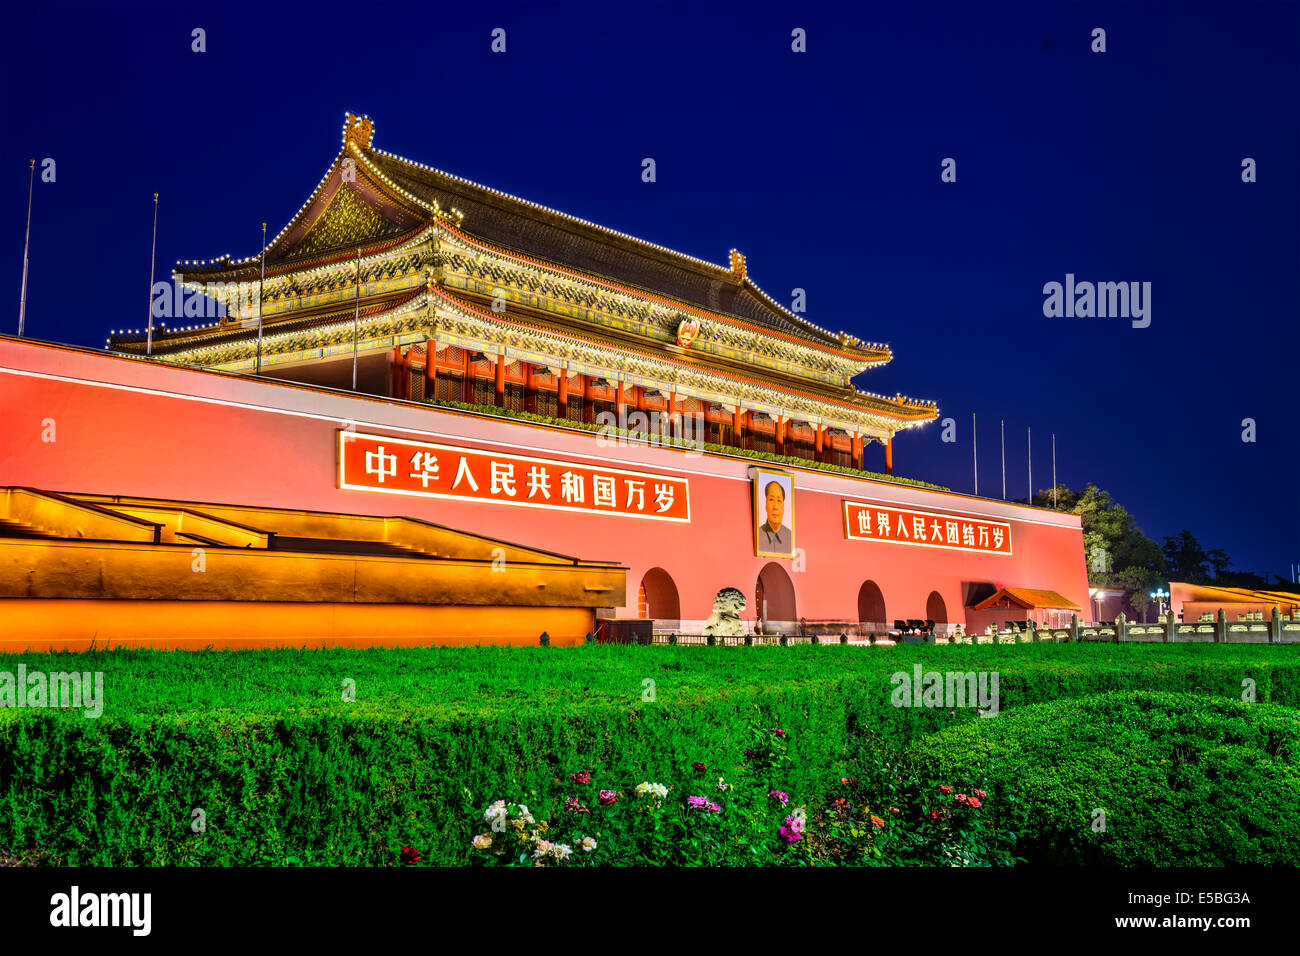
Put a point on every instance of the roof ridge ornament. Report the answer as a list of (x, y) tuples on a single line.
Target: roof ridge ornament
[(358, 129), (738, 269)]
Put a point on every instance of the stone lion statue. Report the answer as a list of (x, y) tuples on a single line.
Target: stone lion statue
[(725, 620)]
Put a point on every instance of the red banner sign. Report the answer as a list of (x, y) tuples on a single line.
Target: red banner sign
[(865, 522), (399, 466)]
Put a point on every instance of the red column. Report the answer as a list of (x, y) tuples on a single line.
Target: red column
[(618, 405), (738, 428), (818, 443), (430, 370), (889, 455), (857, 451), (588, 413), (780, 434), (562, 397), (395, 383), (467, 387), (530, 388), (674, 430), (500, 390)]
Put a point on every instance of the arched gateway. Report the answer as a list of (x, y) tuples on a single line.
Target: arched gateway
[(657, 599), (774, 603), (871, 608)]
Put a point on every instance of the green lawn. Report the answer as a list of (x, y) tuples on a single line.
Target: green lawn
[(480, 681)]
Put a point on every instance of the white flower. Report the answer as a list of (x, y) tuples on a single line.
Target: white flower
[(561, 852), (544, 848), (653, 789), (587, 844), (496, 815), (482, 841)]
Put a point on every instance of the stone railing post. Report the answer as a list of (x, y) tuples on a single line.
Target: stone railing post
[(1221, 628), (1275, 626), (1121, 628), (1171, 627), (1074, 627), (1033, 631)]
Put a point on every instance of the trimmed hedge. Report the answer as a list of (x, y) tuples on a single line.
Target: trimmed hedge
[(285, 771), (1183, 779)]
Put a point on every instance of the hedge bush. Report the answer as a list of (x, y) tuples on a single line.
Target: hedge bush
[(1183, 779), (285, 771)]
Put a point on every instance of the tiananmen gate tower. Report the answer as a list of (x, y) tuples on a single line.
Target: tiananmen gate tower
[(433, 412)]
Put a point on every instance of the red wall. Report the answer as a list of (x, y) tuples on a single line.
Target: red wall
[(126, 427)]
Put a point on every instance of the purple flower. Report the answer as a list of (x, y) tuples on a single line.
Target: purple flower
[(780, 796), (698, 767), (780, 733), (607, 797), (790, 835), (702, 803), (582, 776), (574, 805)]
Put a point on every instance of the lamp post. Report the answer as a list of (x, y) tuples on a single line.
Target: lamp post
[(1159, 595)]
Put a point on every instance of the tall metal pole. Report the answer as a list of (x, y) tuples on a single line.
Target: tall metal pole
[(22, 299), (1029, 432), (356, 322), (1004, 459), (153, 257), (975, 445), (260, 282), (1053, 469)]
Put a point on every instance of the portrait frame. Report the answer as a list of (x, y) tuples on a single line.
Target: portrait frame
[(762, 477)]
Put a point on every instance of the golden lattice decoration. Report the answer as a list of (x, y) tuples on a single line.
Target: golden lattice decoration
[(346, 221)]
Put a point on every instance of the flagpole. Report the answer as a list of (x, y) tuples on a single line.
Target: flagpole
[(22, 299), (1053, 469), (1004, 459), (976, 446), (153, 259), (260, 282), (1029, 432), (356, 322)]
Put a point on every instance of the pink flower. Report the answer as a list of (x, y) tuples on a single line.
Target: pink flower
[(980, 793), (894, 810), (582, 776), (698, 767), (607, 797), (790, 836), (961, 798), (702, 803), (780, 796), (780, 733), (573, 805), (944, 788), (974, 803)]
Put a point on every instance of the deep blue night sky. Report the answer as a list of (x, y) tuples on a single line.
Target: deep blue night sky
[(822, 167)]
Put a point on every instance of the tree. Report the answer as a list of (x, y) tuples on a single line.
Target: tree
[(1220, 564), (1185, 559), (1117, 552)]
